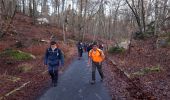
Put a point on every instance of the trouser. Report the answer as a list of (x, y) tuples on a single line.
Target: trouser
[(54, 75), (80, 53), (99, 68)]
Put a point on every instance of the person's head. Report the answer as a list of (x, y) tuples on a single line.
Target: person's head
[(53, 44), (95, 46)]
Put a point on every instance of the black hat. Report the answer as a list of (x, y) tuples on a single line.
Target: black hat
[(52, 42), (94, 43)]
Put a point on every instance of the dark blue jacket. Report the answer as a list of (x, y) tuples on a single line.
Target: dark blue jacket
[(53, 58), (80, 48)]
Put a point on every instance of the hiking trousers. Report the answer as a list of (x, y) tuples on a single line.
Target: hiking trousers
[(99, 68), (54, 75), (80, 53)]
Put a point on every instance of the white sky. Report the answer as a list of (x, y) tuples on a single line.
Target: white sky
[(69, 2)]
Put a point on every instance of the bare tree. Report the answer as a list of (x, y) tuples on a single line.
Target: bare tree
[(8, 11), (156, 17)]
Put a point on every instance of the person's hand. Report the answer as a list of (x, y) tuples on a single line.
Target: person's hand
[(88, 64), (60, 70)]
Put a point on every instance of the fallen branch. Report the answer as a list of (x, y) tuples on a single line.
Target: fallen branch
[(19, 88)]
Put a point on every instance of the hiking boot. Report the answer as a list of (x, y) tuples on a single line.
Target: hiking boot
[(92, 82)]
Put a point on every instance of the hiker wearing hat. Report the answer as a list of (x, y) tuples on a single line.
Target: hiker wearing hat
[(97, 56), (53, 59)]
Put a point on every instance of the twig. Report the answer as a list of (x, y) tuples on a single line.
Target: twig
[(19, 88)]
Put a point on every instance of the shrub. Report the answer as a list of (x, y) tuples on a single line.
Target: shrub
[(35, 41), (116, 49), (24, 67)]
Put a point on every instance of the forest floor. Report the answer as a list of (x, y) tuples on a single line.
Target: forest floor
[(144, 73)]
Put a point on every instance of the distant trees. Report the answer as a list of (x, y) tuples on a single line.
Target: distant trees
[(111, 19), (7, 12), (149, 11)]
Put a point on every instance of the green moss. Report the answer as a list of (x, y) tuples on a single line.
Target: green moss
[(147, 71), (116, 50), (16, 55)]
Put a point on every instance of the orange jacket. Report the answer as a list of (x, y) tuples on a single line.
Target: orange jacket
[(96, 56)]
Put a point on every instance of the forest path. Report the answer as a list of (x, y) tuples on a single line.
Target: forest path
[(74, 84)]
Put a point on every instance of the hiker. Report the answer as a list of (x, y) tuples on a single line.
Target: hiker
[(80, 49), (89, 47), (53, 58), (101, 46), (97, 56), (85, 47)]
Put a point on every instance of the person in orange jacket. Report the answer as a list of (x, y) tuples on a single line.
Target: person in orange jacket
[(97, 56)]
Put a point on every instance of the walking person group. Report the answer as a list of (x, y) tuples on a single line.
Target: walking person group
[(54, 59)]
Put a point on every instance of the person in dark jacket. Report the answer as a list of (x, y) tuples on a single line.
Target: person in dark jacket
[(80, 49), (101, 46), (89, 47), (53, 59)]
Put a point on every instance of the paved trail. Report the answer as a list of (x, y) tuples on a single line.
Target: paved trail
[(74, 85)]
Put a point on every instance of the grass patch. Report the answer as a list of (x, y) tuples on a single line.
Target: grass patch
[(16, 55), (36, 41), (116, 50), (12, 78), (23, 68), (147, 71)]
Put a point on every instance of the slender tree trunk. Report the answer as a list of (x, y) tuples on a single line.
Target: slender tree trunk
[(84, 20), (30, 8), (143, 15), (34, 11), (23, 6), (73, 17), (156, 17), (63, 20), (80, 21)]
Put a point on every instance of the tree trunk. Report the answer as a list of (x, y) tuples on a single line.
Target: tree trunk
[(30, 8), (84, 20), (63, 20), (23, 6), (143, 16), (34, 11), (156, 17), (80, 21), (134, 11)]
